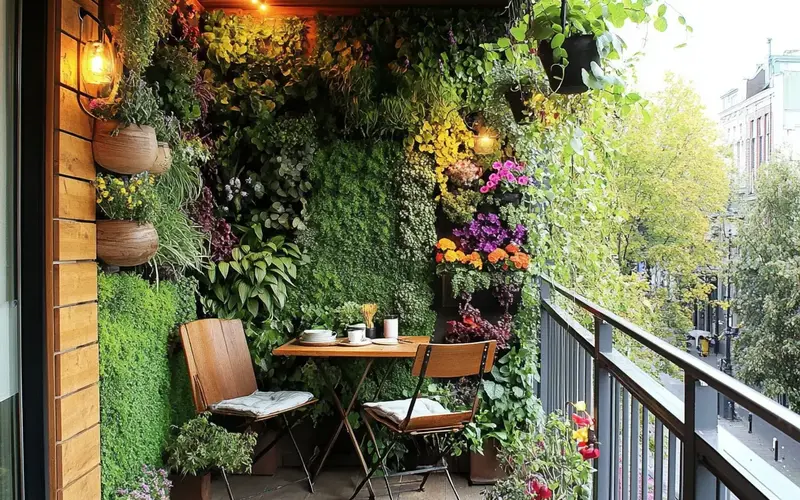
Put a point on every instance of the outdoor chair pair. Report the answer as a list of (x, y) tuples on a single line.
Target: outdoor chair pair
[(223, 382)]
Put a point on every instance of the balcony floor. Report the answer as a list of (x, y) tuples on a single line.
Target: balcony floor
[(338, 484)]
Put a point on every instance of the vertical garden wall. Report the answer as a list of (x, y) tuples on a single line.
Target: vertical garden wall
[(415, 159)]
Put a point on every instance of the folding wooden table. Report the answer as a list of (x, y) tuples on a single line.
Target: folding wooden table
[(405, 349)]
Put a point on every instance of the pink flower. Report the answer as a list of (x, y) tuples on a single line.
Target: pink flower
[(497, 165), (491, 185), (522, 180), (510, 177), (484, 189), (519, 167), (494, 178), (509, 164)]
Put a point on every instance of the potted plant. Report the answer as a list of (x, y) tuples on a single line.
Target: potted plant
[(567, 46), (128, 237), (124, 139), (201, 446), (153, 484), (553, 462)]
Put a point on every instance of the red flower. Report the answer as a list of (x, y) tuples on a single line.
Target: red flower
[(538, 490), (589, 452), (439, 257), (582, 421)]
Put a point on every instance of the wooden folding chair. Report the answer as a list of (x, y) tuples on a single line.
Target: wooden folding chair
[(221, 370), (424, 416)]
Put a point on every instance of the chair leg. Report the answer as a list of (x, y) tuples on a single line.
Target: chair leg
[(374, 469), (371, 433), (300, 455), (452, 485), (227, 484)]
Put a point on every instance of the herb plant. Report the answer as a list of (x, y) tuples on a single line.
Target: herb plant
[(201, 445), (130, 198)]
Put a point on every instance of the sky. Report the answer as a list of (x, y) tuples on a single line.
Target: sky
[(728, 42)]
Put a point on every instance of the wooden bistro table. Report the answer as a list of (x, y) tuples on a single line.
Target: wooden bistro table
[(405, 349)]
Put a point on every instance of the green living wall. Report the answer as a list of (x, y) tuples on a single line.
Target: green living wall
[(144, 389)]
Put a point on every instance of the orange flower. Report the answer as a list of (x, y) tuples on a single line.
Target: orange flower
[(460, 256), (439, 257), (497, 255), (445, 244), (521, 261), (450, 256), (512, 248), (475, 260)]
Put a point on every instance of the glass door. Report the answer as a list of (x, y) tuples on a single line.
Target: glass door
[(9, 334)]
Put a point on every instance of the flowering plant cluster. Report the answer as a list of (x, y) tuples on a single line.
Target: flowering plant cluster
[(448, 253), (464, 172), (131, 198), (152, 485), (472, 327), (222, 238), (584, 435), (486, 233), (510, 257), (507, 176)]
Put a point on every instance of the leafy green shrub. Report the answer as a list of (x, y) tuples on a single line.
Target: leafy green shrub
[(182, 245), (142, 23), (176, 69), (202, 445), (137, 392)]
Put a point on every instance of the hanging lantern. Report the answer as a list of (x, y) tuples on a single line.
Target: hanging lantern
[(98, 63), (485, 141)]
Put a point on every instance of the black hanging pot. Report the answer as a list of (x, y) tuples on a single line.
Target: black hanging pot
[(499, 200), (516, 101), (581, 52)]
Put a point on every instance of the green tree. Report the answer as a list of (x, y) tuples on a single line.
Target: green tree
[(766, 277)]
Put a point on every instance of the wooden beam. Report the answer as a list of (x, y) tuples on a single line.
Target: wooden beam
[(279, 7)]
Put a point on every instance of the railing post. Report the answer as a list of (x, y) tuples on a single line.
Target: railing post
[(700, 415), (602, 409), (544, 347)]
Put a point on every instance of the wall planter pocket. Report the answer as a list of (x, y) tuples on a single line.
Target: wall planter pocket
[(485, 468), (163, 159), (126, 243), (516, 101), (499, 200), (191, 487), (124, 150), (582, 51)]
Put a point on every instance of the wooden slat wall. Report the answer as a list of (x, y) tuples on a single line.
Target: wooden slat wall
[(75, 446)]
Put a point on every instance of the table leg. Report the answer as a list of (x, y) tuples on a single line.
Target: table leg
[(344, 422)]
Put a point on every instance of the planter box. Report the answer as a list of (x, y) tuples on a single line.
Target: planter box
[(125, 150), (125, 243), (191, 487), (485, 469)]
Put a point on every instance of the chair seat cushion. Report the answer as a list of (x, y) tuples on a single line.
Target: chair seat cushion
[(262, 404), (396, 411)]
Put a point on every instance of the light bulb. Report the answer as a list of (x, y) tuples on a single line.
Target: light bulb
[(98, 63), (263, 7)]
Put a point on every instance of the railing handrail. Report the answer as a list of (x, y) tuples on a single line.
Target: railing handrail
[(770, 411)]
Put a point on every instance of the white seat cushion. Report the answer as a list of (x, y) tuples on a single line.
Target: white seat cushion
[(396, 411), (261, 404)]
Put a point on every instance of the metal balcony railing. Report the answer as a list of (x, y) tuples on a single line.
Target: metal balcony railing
[(653, 446)]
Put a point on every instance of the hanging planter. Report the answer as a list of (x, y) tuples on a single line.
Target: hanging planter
[(126, 243), (125, 150), (516, 101), (499, 200), (582, 52), (163, 159)]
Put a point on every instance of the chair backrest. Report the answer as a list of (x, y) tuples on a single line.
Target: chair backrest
[(219, 362), (449, 361), (454, 360)]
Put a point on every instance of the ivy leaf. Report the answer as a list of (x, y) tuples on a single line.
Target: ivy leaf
[(519, 32), (504, 43), (558, 40), (662, 10), (660, 24), (493, 390)]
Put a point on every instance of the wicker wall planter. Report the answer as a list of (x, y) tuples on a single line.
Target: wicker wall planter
[(163, 159), (132, 150), (125, 243)]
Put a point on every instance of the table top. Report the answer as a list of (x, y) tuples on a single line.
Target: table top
[(402, 350)]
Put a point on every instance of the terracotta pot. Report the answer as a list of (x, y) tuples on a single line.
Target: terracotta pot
[(163, 160), (190, 487), (132, 150), (485, 469), (125, 243)]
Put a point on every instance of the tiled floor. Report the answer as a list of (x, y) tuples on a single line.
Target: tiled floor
[(338, 484)]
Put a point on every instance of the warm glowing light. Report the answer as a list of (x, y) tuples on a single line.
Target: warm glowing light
[(263, 7), (98, 63), (484, 143), (254, 2)]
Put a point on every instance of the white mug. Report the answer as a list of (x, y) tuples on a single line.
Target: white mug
[(356, 335), (390, 328)]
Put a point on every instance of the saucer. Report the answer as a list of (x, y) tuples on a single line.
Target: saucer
[(385, 341), (347, 343)]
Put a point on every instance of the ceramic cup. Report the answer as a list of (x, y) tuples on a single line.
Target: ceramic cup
[(355, 335), (390, 328)]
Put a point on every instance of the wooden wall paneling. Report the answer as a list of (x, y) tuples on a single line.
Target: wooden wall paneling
[(77, 369), (77, 412), (75, 199), (75, 157), (70, 22), (85, 488), (73, 119), (74, 240), (77, 456), (75, 326), (75, 283)]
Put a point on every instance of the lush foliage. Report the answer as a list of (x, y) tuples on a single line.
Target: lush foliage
[(142, 23), (474, 328), (201, 445), (130, 198), (138, 400), (151, 485), (766, 277)]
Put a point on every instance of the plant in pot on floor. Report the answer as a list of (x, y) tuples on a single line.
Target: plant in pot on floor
[(124, 138), (126, 238), (553, 462), (153, 484), (202, 446)]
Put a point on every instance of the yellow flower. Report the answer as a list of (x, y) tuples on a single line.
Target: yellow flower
[(450, 256), (111, 199), (99, 200), (139, 182), (152, 181), (580, 406), (460, 256), (123, 191), (132, 189), (130, 200), (581, 435), (105, 194), (445, 244), (139, 204)]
